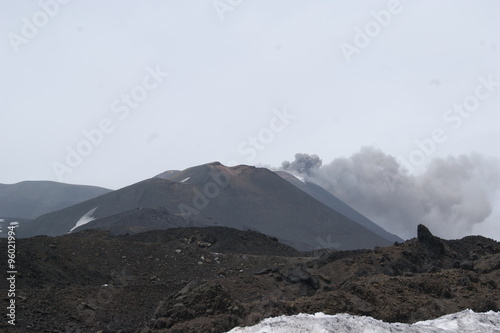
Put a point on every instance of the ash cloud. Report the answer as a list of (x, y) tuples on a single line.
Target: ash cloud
[(303, 164), (452, 195)]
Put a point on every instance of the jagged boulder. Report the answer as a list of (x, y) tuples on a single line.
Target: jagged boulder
[(433, 244)]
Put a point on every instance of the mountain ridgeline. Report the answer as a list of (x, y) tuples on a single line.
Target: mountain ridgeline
[(241, 197)]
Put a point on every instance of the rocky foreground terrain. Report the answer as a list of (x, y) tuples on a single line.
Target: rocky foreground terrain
[(213, 279)]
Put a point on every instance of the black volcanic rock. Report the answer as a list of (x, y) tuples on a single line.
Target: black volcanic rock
[(162, 281), (431, 242), (424, 235)]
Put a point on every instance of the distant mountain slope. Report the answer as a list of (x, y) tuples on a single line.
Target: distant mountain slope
[(151, 193), (241, 197), (322, 195), (31, 199), (10, 221)]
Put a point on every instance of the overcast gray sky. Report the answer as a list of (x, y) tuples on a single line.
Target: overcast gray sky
[(109, 93)]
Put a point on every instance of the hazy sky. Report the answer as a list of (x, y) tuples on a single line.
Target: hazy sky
[(109, 93)]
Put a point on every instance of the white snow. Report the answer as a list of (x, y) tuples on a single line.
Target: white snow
[(84, 219), (466, 321), (184, 180), (2, 220), (299, 178)]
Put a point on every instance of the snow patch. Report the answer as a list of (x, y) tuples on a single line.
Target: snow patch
[(184, 180), (84, 219), (300, 178), (2, 220), (461, 322)]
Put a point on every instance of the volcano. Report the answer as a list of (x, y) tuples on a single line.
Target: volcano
[(241, 197)]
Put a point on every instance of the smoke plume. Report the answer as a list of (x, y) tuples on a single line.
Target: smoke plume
[(451, 196), (303, 164)]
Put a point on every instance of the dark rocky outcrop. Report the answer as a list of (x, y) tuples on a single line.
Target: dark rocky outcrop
[(431, 242), (163, 281)]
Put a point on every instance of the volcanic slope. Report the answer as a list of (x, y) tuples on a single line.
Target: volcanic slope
[(242, 197), (136, 221), (322, 195)]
